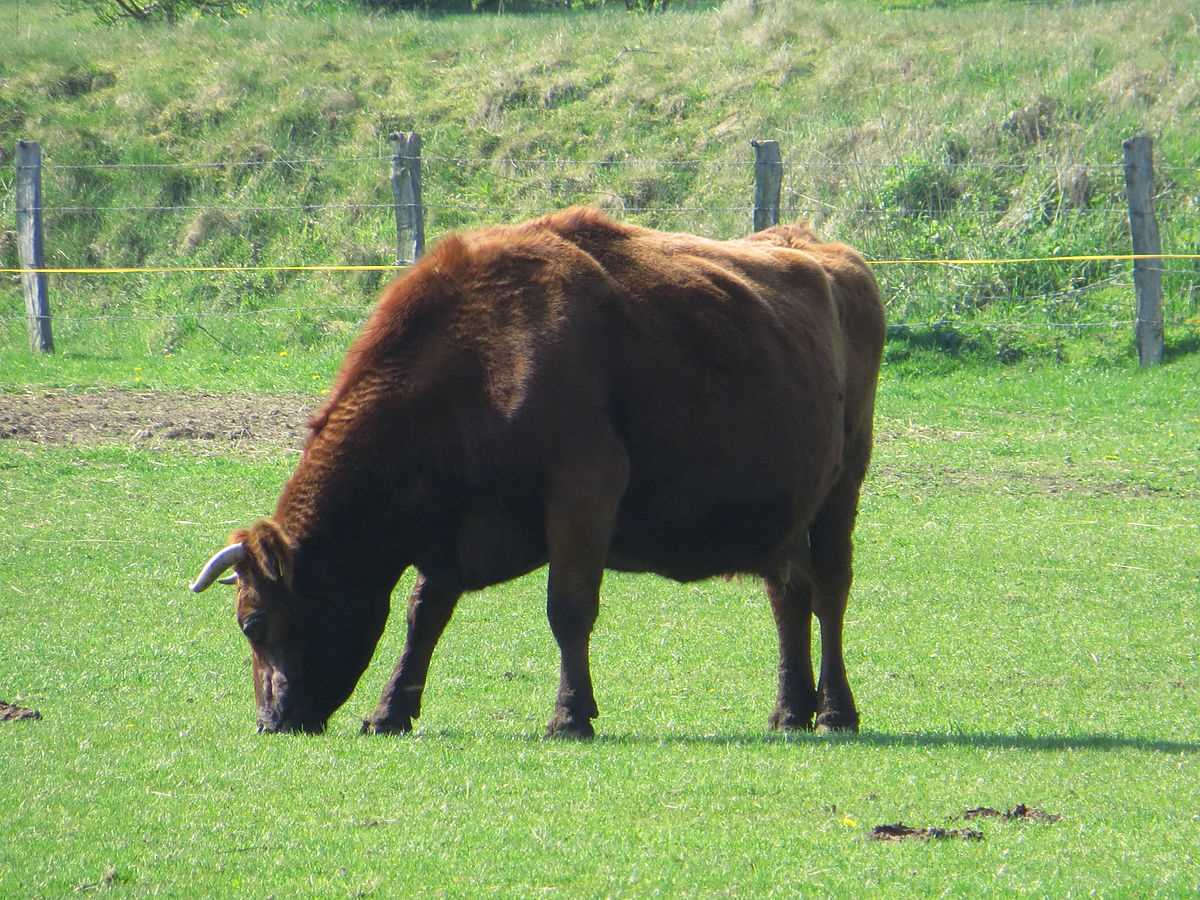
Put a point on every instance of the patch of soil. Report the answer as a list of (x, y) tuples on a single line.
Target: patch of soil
[(1018, 812), (1017, 480), (902, 832), (156, 417), (10, 713)]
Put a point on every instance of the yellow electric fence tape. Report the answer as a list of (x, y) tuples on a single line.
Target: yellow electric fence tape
[(135, 270), (1104, 257)]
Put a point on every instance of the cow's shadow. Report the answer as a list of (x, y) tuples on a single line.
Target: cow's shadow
[(987, 740)]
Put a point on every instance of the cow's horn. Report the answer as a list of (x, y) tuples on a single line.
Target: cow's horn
[(230, 556)]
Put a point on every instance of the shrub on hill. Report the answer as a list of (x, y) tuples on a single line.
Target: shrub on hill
[(110, 12)]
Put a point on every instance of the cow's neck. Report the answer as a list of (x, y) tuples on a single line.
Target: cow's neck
[(344, 518)]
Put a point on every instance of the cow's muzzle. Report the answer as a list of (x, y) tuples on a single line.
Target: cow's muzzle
[(281, 712), (269, 727), (271, 723)]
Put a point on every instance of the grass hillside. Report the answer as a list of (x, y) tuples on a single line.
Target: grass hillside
[(909, 129)]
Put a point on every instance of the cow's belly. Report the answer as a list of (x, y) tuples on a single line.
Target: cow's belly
[(693, 542), (501, 536)]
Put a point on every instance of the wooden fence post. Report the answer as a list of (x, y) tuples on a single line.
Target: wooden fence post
[(768, 181), (406, 192), (29, 244), (1143, 229)]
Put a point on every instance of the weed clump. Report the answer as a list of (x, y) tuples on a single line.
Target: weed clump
[(204, 227), (1033, 123), (79, 80)]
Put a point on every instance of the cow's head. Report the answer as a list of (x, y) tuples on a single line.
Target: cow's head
[(311, 636)]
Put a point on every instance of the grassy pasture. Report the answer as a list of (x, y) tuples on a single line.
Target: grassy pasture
[(1023, 628)]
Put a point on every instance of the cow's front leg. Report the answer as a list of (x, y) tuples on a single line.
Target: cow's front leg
[(572, 607), (581, 506), (430, 606)]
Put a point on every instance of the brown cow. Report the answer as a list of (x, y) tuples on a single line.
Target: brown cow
[(589, 394)]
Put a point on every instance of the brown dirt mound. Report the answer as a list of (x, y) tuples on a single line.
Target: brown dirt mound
[(902, 832), (1018, 812), (10, 713)]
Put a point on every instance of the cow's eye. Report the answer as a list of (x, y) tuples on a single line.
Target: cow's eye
[(254, 626)]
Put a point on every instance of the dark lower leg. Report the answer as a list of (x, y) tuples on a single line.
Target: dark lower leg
[(572, 613), (430, 606), (796, 702), (832, 558), (836, 710)]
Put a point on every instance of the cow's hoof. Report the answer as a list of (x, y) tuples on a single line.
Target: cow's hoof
[(382, 725), (831, 721), (566, 726), (789, 720)]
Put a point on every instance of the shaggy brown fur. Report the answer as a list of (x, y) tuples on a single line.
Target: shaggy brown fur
[(594, 395)]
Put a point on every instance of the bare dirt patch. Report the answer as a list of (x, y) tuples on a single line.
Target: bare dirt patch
[(11, 713), (1020, 812), (156, 418), (902, 832), (1015, 479)]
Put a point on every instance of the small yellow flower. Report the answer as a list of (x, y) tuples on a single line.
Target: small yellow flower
[(849, 822), (283, 353)]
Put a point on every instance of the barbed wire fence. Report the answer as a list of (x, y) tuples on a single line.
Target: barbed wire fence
[(1006, 247)]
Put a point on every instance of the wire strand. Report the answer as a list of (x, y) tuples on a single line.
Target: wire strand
[(50, 164), (808, 162), (379, 267), (364, 312)]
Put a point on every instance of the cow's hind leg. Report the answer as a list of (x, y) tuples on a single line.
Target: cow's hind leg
[(791, 604), (832, 551), (430, 606), (581, 506)]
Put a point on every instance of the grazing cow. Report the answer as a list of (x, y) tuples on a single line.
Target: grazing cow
[(584, 393)]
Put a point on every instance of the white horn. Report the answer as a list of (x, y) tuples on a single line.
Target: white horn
[(230, 556)]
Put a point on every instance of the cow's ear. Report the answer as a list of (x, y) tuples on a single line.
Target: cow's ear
[(271, 549)]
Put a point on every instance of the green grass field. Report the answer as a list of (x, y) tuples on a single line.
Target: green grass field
[(1023, 629)]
